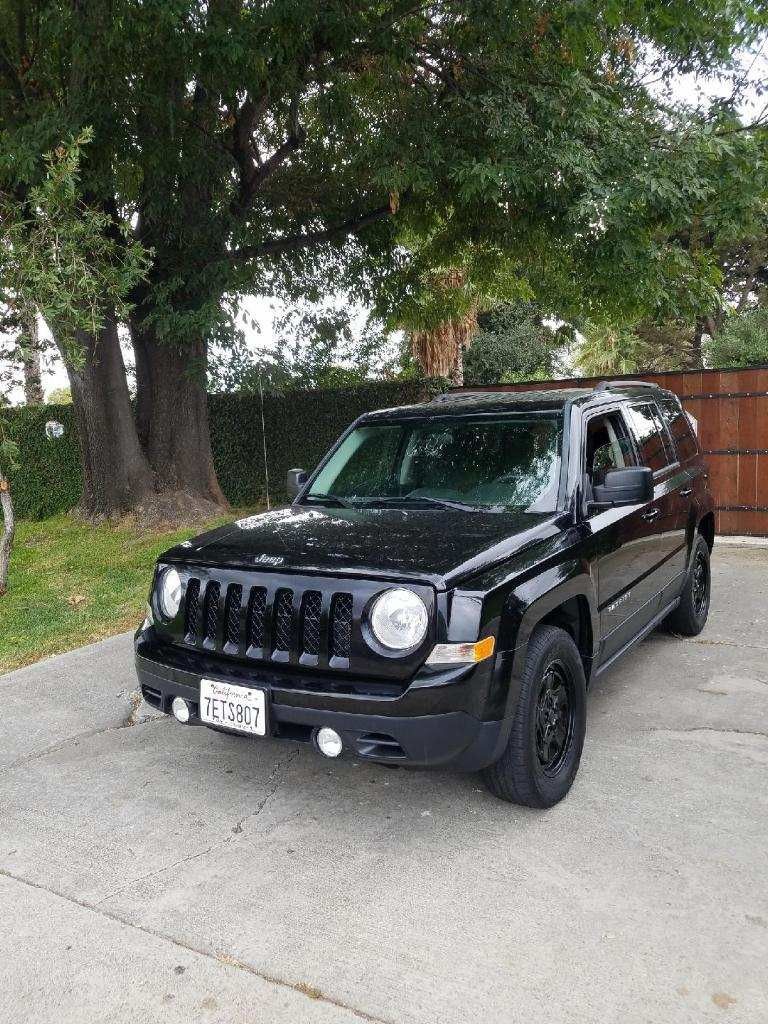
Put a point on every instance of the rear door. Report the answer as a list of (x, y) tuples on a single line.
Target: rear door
[(664, 520), (686, 475)]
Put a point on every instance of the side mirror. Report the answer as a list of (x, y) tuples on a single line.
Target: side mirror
[(632, 486), (294, 481)]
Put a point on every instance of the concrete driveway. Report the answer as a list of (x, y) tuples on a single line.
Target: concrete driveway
[(150, 872)]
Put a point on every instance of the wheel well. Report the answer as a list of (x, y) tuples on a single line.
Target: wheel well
[(707, 529), (573, 616)]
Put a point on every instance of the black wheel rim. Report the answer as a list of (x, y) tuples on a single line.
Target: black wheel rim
[(554, 718), (700, 585)]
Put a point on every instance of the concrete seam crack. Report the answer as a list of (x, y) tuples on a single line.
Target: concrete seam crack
[(273, 783), (711, 728), (308, 991), (679, 638), (87, 735)]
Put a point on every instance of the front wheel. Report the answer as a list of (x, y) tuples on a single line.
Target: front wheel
[(690, 616), (542, 755)]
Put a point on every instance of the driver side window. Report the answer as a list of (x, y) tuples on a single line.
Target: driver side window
[(608, 447)]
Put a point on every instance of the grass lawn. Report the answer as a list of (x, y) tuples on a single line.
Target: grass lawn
[(71, 584)]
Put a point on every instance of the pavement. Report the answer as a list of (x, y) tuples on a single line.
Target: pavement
[(150, 872)]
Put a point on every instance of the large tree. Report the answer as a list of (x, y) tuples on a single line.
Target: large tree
[(303, 146)]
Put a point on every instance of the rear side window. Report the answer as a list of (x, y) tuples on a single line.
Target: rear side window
[(679, 427), (648, 429)]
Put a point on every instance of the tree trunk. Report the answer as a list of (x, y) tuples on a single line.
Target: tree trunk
[(172, 414), (6, 539), (116, 475), (30, 361), (457, 372)]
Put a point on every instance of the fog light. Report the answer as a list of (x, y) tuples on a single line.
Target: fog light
[(181, 710), (328, 742)]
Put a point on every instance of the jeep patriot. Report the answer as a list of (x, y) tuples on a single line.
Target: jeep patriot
[(445, 586)]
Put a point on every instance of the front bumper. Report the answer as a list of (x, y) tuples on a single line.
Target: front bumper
[(436, 721)]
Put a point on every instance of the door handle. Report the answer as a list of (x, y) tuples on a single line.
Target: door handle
[(686, 493), (653, 514)]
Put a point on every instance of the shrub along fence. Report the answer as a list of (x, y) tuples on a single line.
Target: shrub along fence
[(299, 426)]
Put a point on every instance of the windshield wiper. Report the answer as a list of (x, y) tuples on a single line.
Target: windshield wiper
[(412, 499), (326, 499)]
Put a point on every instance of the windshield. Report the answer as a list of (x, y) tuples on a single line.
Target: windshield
[(497, 464)]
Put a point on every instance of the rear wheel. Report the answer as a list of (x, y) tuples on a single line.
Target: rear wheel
[(690, 616), (543, 752)]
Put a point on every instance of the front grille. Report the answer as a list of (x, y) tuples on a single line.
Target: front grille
[(310, 626)]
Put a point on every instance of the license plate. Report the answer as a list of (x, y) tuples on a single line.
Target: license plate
[(239, 708)]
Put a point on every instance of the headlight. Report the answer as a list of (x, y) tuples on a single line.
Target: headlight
[(169, 593), (399, 619)]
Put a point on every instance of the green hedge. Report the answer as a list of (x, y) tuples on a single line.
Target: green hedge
[(48, 478), (299, 427)]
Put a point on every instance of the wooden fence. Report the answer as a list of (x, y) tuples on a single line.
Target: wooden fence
[(731, 409)]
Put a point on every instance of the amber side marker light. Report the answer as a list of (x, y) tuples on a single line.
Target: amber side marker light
[(462, 654)]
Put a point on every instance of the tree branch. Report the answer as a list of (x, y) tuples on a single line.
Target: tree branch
[(307, 239), (13, 78), (254, 171)]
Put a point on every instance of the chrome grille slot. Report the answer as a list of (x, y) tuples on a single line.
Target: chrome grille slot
[(191, 610), (311, 606), (212, 593), (232, 615), (340, 643), (257, 608), (283, 620)]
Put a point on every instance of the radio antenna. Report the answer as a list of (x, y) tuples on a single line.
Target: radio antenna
[(264, 440)]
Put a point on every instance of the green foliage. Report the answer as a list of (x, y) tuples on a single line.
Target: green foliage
[(313, 348), (47, 477), (741, 341), (59, 396), (512, 344), (306, 147), (300, 426), (59, 255), (9, 450), (618, 348), (609, 349)]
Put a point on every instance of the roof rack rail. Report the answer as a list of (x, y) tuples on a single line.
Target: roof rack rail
[(451, 396), (615, 385)]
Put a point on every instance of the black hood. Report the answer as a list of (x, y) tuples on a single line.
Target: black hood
[(439, 546)]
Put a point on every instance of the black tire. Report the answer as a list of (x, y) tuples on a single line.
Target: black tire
[(525, 773), (690, 616)]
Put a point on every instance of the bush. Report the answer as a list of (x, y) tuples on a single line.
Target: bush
[(299, 427), (513, 344), (742, 340), (47, 479)]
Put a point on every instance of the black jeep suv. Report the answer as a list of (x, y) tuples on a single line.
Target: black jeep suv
[(445, 585)]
